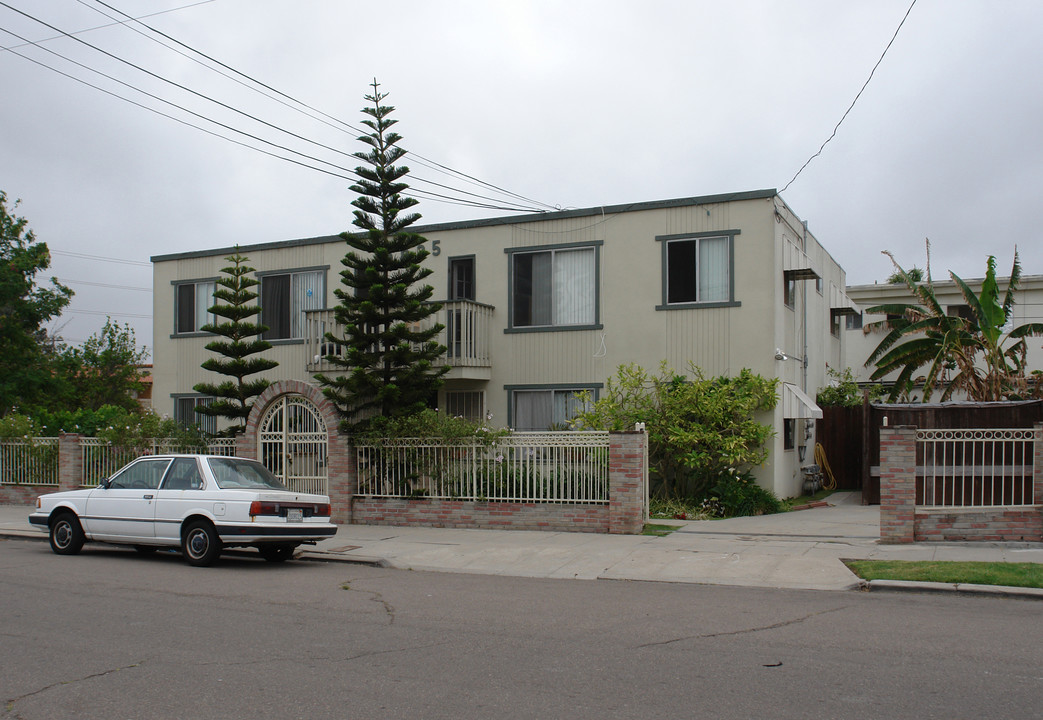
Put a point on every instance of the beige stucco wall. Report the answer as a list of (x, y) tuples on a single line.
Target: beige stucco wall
[(721, 340)]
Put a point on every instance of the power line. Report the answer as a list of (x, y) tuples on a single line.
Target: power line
[(336, 123), (85, 256), (161, 113), (493, 204), (109, 314), (852, 105), (104, 285), (118, 22)]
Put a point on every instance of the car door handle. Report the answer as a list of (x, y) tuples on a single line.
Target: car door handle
[(148, 497)]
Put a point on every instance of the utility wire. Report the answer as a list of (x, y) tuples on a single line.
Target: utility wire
[(351, 177), (852, 105), (118, 22), (85, 256), (104, 285), (489, 203), (299, 104)]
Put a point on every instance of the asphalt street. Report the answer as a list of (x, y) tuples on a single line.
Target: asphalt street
[(111, 634)]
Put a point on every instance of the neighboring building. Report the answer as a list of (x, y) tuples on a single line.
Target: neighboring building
[(538, 307), (860, 340)]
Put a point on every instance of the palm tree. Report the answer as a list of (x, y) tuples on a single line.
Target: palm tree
[(975, 355)]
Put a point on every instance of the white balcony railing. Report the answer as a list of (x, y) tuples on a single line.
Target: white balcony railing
[(466, 335)]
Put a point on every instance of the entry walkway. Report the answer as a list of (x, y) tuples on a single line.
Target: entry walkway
[(801, 549)]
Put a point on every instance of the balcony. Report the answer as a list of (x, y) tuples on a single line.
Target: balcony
[(465, 335)]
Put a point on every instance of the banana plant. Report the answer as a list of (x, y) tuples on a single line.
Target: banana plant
[(978, 356)]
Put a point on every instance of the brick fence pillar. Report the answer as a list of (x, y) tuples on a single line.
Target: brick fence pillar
[(627, 482), (70, 461), (342, 473), (897, 484)]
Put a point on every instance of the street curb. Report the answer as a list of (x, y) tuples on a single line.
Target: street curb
[(353, 560), (958, 588), (304, 555)]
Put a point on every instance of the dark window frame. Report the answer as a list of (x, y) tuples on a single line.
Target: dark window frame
[(594, 388), (183, 313), (665, 242), (280, 329), (512, 308)]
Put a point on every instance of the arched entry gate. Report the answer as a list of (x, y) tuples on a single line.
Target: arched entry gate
[(293, 443)]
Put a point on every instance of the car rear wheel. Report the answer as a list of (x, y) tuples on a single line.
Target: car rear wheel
[(279, 552), (200, 544), (66, 534)]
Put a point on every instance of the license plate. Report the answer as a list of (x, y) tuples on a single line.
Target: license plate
[(294, 515)]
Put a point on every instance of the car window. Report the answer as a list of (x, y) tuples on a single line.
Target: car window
[(232, 473), (183, 475), (142, 475)]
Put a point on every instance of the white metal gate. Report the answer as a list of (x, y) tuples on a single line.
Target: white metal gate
[(293, 440)]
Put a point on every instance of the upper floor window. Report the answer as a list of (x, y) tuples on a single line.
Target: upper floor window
[(555, 287), (284, 299), (697, 269), (191, 302), (461, 278)]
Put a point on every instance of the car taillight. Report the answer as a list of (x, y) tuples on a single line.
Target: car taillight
[(261, 507)]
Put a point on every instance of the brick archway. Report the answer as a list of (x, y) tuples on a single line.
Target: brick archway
[(339, 461)]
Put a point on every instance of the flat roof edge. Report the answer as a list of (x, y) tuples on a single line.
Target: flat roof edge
[(489, 222)]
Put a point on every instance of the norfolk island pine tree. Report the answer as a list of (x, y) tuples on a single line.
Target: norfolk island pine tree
[(388, 360), (241, 340)]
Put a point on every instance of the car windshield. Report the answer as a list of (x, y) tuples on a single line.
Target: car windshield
[(234, 473)]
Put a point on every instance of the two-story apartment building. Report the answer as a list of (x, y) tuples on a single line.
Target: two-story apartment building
[(538, 307)]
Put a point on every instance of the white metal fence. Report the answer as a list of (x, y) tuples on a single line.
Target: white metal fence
[(32, 461), (101, 460), (975, 468), (568, 467)]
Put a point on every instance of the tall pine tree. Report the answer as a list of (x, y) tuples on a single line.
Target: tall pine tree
[(389, 359), (241, 340)]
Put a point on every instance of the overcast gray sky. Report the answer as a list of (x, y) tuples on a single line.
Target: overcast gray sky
[(571, 104)]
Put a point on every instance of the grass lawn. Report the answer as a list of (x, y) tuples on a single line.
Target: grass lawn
[(979, 573), (657, 529), (790, 503)]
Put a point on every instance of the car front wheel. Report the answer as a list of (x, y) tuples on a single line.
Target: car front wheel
[(200, 544), (66, 534)]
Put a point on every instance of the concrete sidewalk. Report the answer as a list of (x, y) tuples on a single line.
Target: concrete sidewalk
[(801, 549)]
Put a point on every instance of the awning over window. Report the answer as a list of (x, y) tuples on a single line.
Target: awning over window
[(840, 303), (797, 404), (796, 265)]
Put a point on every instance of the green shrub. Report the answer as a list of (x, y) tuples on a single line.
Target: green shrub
[(697, 427), (739, 495)]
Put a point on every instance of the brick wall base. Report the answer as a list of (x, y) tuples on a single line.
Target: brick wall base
[(478, 515), (977, 524), (23, 494)]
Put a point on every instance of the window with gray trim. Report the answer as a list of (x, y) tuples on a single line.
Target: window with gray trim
[(185, 412), (554, 287), (191, 302), (284, 299), (697, 269), (545, 408)]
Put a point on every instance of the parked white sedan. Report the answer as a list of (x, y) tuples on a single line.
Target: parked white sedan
[(200, 503)]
